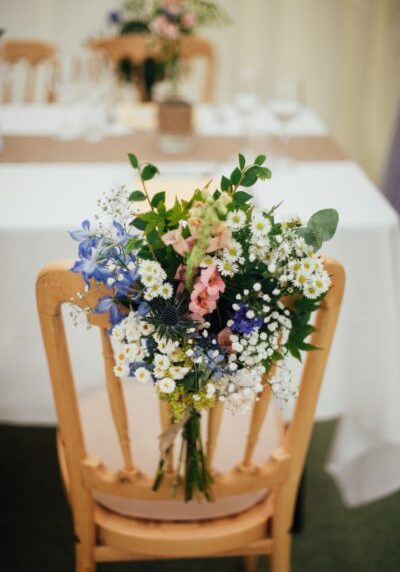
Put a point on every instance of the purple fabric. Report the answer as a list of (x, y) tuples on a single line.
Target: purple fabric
[(391, 181)]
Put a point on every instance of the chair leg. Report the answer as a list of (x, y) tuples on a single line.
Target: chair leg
[(250, 563), (84, 558), (281, 555)]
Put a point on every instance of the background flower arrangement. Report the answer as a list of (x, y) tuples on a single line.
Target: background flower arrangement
[(166, 21), (205, 296)]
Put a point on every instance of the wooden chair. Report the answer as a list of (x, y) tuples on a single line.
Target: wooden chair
[(33, 53), (137, 48), (103, 535)]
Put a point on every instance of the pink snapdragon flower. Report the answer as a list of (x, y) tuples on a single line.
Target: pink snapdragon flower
[(205, 293), (188, 20), (175, 239)]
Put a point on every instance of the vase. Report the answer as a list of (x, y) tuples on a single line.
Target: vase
[(175, 126)]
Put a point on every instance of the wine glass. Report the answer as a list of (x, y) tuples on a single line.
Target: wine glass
[(285, 104), (246, 101)]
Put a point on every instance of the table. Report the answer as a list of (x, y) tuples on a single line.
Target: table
[(41, 201)]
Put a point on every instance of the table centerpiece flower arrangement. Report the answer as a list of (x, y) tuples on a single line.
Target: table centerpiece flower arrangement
[(197, 298), (166, 22)]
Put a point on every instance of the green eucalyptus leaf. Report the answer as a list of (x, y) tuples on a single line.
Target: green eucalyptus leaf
[(133, 160), (149, 171), (242, 161), (324, 223), (152, 236), (308, 235), (137, 196), (249, 179), (216, 194), (158, 197)]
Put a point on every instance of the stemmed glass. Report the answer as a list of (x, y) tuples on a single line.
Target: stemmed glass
[(246, 100), (285, 104)]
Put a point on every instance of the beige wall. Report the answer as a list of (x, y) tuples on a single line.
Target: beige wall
[(346, 52)]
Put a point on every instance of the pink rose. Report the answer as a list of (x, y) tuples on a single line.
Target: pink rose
[(188, 20), (224, 339)]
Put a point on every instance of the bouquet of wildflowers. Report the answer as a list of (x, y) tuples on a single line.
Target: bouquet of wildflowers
[(198, 297)]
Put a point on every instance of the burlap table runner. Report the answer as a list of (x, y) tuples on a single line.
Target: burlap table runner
[(41, 149)]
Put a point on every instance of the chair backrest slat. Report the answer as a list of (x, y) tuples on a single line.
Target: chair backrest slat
[(34, 53), (257, 417), (214, 424), (166, 420), (117, 403)]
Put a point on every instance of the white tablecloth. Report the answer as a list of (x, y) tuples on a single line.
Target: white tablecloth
[(42, 119), (39, 203)]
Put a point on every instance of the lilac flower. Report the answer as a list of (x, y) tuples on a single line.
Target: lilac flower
[(85, 238)]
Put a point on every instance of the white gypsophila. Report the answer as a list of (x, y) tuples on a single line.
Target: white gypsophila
[(282, 384), (236, 220), (143, 375), (166, 385), (115, 205), (210, 390), (260, 225)]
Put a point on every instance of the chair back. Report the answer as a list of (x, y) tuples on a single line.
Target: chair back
[(138, 47), (33, 53), (56, 285)]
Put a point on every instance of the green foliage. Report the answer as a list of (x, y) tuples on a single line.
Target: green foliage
[(137, 196), (301, 327), (242, 161), (157, 199), (149, 171), (241, 197), (133, 160), (320, 228)]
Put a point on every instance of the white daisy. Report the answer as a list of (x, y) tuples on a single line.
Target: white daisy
[(236, 220), (207, 260), (260, 225), (166, 385), (227, 268), (121, 369), (166, 290), (161, 360), (145, 328), (143, 375), (233, 251)]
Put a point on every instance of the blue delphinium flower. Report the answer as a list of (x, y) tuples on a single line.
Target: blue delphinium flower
[(214, 359), (85, 237), (243, 324), (120, 236), (114, 17), (90, 266), (109, 304)]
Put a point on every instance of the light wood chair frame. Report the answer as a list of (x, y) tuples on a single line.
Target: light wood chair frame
[(102, 535), (34, 52), (138, 47)]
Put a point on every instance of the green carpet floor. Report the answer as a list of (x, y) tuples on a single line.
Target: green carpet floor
[(36, 532)]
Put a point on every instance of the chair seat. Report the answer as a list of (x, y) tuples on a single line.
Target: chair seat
[(143, 414)]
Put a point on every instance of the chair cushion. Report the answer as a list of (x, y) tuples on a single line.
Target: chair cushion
[(144, 427)]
